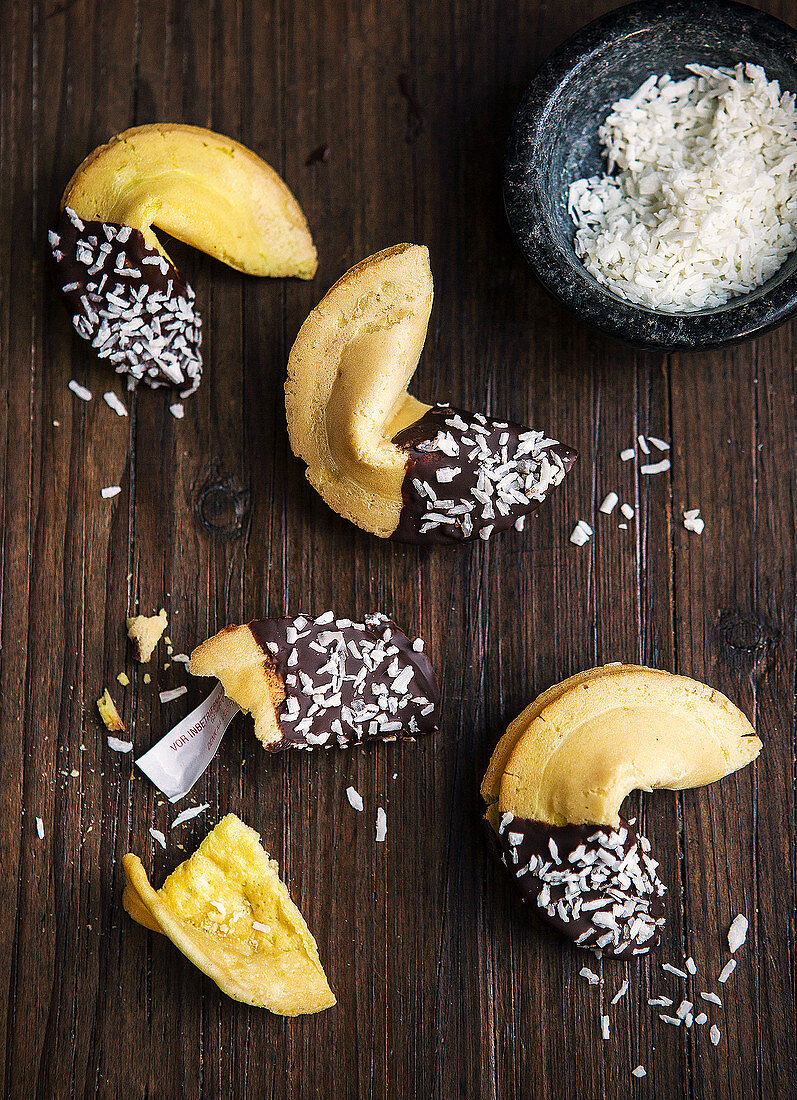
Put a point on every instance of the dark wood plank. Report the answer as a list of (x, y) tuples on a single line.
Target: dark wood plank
[(445, 986)]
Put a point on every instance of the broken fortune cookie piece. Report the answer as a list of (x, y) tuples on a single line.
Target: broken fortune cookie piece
[(228, 911), (324, 681), (392, 465), (126, 296), (145, 631), (559, 775)]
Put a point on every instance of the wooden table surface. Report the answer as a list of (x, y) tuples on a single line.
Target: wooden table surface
[(445, 986)]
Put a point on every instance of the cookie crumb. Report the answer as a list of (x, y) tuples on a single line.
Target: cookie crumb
[(145, 631)]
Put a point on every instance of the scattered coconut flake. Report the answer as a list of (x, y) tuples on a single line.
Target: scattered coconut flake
[(187, 815), (691, 965), (605, 1027), (656, 467), (177, 411), (381, 824), (172, 694), (581, 533), (674, 1020), (79, 391), (110, 491), (643, 446), (627, 455), (40, 828), (683, 1010), (156, 834), (590, 975), (627, 511), (120, 746), (660, 1002), (659, 444), (701, 1018), (737, 933), (609, 503), (621, 992), (183, 658), (113, 402), (714, 1034), (712, 997), (355, 798), (673, 970), (694, 522), (727, 970), (640, 1071), (622, 526)]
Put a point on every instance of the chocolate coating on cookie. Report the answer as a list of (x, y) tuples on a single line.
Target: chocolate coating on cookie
[(348, 682), (130, 303), (468, 475), (594, 885)]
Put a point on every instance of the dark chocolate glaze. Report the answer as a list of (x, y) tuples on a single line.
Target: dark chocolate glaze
[(495, 485), (133, 306), (630, 921), (373, 684)]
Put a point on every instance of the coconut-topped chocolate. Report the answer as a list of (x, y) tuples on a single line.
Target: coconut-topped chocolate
[(130, 303), (324, 681), (595, 885), (469, 475)]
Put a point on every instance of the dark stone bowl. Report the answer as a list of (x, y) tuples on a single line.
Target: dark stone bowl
[(554, 140)]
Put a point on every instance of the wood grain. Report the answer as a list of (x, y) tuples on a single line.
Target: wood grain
[(445, 987)]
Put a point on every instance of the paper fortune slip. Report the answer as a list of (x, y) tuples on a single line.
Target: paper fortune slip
[(176, 762)]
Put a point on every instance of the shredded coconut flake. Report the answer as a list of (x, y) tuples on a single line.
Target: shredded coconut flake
[(726, 971), (79, 391), (714, 1034), (609, 503), (590, 975), (40, 828), (621, 992), (177, 411), (355, 798), (187, 815), (119, 746), (700, 203), (737, 933), (627, 454), (640, 1071), (110, 491), (605, 1027), (174, 693), (156, 834), (381, 825), (113, 402)]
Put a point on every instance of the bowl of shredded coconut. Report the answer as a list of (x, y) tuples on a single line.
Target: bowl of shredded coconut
[(651, 175)]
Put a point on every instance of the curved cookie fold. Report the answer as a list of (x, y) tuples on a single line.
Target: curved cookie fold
[(324, 681), (228, 911), (127, 297), (559, 775), (392, 465)]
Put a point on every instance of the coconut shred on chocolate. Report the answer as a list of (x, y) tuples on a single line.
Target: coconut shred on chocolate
[(595, 885), (469, 475), (130, 303), (348, 682)]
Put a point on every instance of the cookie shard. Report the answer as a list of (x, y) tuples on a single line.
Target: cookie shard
[(469, 475), (129, 302), (327, 681), (596, 886), (228, 911)]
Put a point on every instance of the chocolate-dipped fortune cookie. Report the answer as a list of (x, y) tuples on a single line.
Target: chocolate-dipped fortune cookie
[(127, 298), (324, 681), (389, 463), (559, 775)]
